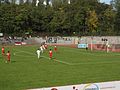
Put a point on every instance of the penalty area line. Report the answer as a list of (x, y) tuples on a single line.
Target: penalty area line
[(23, 55), (72, 64), (63, 62), (90, 63), (24, 52)]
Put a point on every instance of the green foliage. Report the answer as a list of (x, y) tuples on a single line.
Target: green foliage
[(92, 22), (81, 16), (116, 4)]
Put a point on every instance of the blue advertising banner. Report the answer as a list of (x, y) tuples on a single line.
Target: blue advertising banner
[(82, 45)]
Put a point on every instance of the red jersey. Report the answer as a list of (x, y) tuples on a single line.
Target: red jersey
[(55, 48), (3, 50), (8, 56), (50, 54)]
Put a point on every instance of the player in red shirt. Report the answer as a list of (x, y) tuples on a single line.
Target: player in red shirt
[(3, 51), (50, 54), (55, 49), (8, 56)]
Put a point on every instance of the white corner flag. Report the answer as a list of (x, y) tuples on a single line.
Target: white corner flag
[(37, 1), (68, 1), (45, 3)]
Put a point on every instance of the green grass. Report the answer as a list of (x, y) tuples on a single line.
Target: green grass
[(72, 66)]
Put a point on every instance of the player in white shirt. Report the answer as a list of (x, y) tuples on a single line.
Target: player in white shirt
[(38, 53), (41, 48)]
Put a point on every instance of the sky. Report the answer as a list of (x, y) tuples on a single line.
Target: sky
[(106, 1)]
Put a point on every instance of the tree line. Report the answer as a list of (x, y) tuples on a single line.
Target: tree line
[(81, 17)]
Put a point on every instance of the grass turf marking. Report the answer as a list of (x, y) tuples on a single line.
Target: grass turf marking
[(73, 64), (58, 61), (110, 62), (67, 63), (63, 62)]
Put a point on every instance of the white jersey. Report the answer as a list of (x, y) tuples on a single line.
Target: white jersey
[(38, 53), (41, 48)]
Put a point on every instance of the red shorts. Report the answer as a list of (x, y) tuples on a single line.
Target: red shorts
[(8, 58), (55, 49), (50, 55)]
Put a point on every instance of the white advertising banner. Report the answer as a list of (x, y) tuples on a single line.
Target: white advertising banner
[(114, 85)]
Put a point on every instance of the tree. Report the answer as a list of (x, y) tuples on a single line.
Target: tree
[(92, 22), (81, 16), (116, 4)]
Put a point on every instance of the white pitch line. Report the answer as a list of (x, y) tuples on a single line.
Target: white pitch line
[(88, 63), (25, 52), (48, 58), (58, 61), (23, 55), (63, 62)]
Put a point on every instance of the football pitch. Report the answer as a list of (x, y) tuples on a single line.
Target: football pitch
[(69, 66)]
